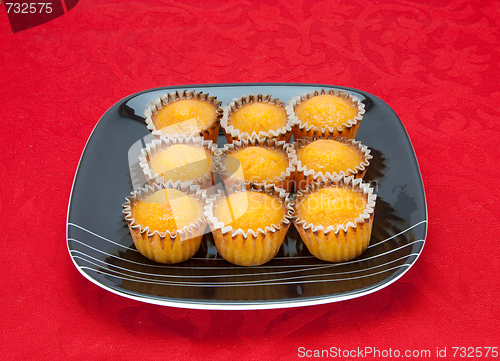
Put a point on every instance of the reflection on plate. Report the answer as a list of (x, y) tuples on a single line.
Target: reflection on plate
[(102, 249)]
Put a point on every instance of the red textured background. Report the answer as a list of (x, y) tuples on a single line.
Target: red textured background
[(435, 63)]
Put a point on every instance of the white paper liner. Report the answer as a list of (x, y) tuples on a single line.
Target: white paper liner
[(233, 133), (210, 132), (144, 192), (357, 172), (348, 182), (280, 181), (269, 189), (302, 128), (158, 145)]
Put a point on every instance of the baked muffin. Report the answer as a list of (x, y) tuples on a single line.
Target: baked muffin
[(249, 225), (257, 116), (181, 159), (185, 112), (325, 113), (257, 160), (334, 218), (316, 159), (166, 221)]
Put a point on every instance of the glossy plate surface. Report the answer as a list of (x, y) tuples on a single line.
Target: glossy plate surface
[(102, 249)]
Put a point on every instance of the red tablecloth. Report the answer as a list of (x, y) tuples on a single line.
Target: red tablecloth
[(435, 64)]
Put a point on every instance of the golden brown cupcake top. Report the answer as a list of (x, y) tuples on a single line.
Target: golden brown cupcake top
[(257, 117), (256, 164), (184, 115), (327, 155), (332, 206), (249, 210), (166, 210), (325, 110), (181, 162), (188, 127)]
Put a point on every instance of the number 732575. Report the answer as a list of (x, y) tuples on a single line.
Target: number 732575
[(475, 351), (29, 8)]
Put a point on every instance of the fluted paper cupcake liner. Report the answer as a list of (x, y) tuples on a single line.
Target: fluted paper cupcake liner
[(347, 130), (210, 132), (282, 134), (284, 180), (337, 242), (166, 247), (251, 247), (303, 176), (158, 145)]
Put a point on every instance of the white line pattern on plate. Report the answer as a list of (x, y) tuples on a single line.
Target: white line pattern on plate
[(232, 275), (123, 246), (256, 267), (104, 238), (234, 284), (301, 268), (396, 235)]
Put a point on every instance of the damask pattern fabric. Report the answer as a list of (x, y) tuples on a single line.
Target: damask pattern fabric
[(434, 62)]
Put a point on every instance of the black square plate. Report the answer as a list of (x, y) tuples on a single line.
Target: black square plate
[(102, 249)]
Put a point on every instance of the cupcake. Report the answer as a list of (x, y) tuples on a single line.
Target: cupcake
[(257, 116), (257, 160), (249, 225), (187, 113), (166, 221), (325, 113), (316, 159), (181, 159), (335, 217)]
